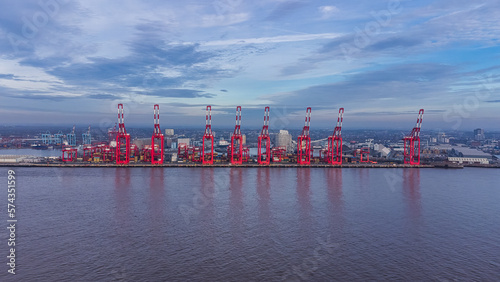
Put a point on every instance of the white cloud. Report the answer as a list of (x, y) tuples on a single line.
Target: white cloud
[(275, 39), (327, 11), (27, 78)]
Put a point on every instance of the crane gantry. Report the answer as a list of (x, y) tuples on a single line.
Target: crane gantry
[(265, 140), (304, 142), (412, 142)]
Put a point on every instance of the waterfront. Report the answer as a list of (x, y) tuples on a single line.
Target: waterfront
[(31, 152), (255, 224)]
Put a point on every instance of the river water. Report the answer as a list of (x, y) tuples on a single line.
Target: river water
[(254, 224)]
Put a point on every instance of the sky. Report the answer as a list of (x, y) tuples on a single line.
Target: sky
[(71, 62)]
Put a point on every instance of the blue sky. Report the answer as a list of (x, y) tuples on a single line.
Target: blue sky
[(66, 62)]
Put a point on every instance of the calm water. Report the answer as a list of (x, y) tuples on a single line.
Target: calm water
[(230, 224)]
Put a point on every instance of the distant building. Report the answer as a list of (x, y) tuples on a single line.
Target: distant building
[(243, 138), (461, 160), (382, 150), (443, 139), (186, 141), (471, 153), (222, 142), (479, 134), (171, 157), (19, 159), (141, 142), (169, 132), (168, 142), (284, 139)]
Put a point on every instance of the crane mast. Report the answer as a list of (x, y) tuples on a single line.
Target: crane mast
[(334, 150), (157, 152), (265, 140), (304, 142), (237, 140), (209, 137), (412, 142), (122, 139)]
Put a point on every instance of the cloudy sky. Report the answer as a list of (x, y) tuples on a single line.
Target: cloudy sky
[(66, 62)]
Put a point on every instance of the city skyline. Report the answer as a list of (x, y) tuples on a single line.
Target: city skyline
[(65, 62)]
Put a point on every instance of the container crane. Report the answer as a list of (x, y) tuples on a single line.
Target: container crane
[(69, 154), (58, 137), (334, 150), (157, 152), (412, 142), (264, 137), (237, 140), (122, 140), (71, 137), (87, 140), (208, 136), (304, 142)]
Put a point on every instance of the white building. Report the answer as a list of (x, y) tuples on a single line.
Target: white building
[(169, 132), (11, 158), (284, 139), (465, 160), (186, 141), (384, 151)]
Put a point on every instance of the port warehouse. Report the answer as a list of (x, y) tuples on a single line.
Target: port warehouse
[(20, 159)]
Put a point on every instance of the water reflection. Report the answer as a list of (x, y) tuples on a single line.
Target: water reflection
[(156, 198), (206, 199), (236, 204), (336, 202), (122, 196), (411, 191), (264, 193), (304, 200), (364, 176), (334, 185)]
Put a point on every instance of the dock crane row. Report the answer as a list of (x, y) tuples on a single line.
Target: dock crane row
[(119, 149)]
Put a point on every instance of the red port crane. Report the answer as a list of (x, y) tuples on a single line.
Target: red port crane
[(237, 140), (334, 150), (112, 133), (277, 154), (122, 140), (412, 142), (208, 136), (264, 137), (363, 152), (69, 154), (304, 142), (157, 152)]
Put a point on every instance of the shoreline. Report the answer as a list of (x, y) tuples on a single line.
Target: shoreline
[(96, 165)]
